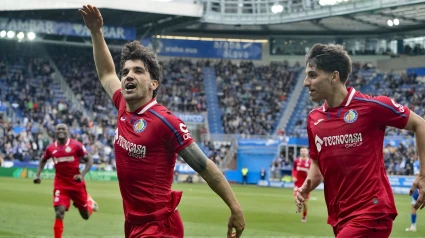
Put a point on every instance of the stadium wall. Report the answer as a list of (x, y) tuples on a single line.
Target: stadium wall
[(266, 58), (253, 154), (254, 161), (17, 172), (401, 63), (373, 59), (399, 184)]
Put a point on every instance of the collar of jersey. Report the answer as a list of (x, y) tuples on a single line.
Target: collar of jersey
[(346, 102), (66, 144), (147, 106)]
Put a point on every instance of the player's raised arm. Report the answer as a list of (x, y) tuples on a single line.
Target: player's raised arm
[(417, 125), (102, 57), (196, 159)]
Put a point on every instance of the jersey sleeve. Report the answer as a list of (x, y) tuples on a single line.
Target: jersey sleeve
[(47, 154), (387, 112), (81, 150), (311, 142), (176, 133), (117, 99)]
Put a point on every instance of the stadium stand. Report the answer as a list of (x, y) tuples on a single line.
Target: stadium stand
[(249, 96)]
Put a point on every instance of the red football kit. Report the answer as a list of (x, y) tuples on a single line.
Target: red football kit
[(67, 160), (146, 144), (347, 141), (300, 171)]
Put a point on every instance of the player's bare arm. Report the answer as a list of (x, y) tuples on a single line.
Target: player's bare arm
[(196, 159), (417, 125), (40, 169), (89, 162), (102, 57), (314, 178)]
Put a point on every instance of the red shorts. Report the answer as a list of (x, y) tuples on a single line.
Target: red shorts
[(295, 193), (368, 225), (171, 226), (62, 197)]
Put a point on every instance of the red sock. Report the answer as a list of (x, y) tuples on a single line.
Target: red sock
[(90, 208), (304, 213), (58, 228), (90, 205)]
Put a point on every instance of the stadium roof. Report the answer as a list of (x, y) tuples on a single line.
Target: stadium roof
[(242, 18), (310, 18)]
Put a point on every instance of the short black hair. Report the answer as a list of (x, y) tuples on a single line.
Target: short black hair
[(62, 124), (330, 58), (135, 51)]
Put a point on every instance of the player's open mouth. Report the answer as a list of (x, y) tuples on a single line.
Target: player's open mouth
[(310, 91), (130, 87)]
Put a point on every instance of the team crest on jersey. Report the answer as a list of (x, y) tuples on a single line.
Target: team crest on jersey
[(351, 116), (68, 149), (139, 125)]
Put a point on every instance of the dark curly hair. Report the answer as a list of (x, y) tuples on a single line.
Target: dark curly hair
[(135, 51), (330, 58)]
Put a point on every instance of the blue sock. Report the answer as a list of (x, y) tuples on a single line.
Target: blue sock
[(413, 218)]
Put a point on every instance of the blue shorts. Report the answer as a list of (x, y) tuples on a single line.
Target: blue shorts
[(415, 197)]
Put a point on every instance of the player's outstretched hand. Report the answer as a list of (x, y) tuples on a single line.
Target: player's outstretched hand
[(302, 193), (37, 180), (420, 185), (92, 17), (78, 177), (237, 221)]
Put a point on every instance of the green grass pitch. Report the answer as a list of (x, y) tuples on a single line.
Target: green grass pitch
[(26, 211)]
